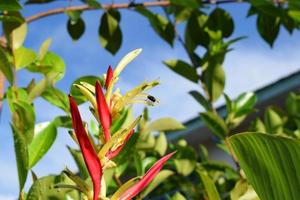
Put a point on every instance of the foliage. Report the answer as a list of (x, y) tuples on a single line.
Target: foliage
[(207, 38)]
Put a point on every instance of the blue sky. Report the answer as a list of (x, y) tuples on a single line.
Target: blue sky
[(250, 66)]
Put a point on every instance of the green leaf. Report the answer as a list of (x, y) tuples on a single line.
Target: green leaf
[(78, 158), (183, 69), (220, 20), (178, 196), (275, 174), (200, 99), (273, 121), (10, 5), (195, 33), (208, 183), (165, 124), (159, 179), (56, 98), (75, 92), (76, 28), (18, 36), (47, 188), (44, 137), (268, 28), (24, 57), (24, 119), (258, 126), (21, 152), (14, 95), (161, 144), (63, 121), (245, 101), (110, 34), (214, 79), (52, 66), (44, 48), (215, 123), (38, 89), (5, 66), (160, 24), (185, 166), (242, 190)]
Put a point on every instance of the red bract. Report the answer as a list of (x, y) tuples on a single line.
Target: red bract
[(109, 75), (90, 156), (110, 155), (103, 111), (146, 179)]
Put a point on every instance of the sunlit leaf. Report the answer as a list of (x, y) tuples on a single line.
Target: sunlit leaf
[(165, 124), (270, 164), (23, 57)]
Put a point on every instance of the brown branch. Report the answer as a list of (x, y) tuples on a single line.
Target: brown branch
[(103, 6), (116, 6)]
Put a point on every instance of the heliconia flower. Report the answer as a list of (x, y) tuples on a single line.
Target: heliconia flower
[(146, 179), (89, 154), (109, 76), (111, 154), (103, 111)]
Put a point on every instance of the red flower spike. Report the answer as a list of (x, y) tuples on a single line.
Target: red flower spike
[(146, 179), (103, 111), (90, 156), (109, 75), (110, 155)]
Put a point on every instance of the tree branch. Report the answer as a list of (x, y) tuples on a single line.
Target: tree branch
[(103, 6), (116, 6)]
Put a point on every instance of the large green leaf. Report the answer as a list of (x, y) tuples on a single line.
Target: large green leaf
[(183, 69), (187, 3), (44, 137), (271, 164), (5, 66), (21, 152), (110, 34)]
